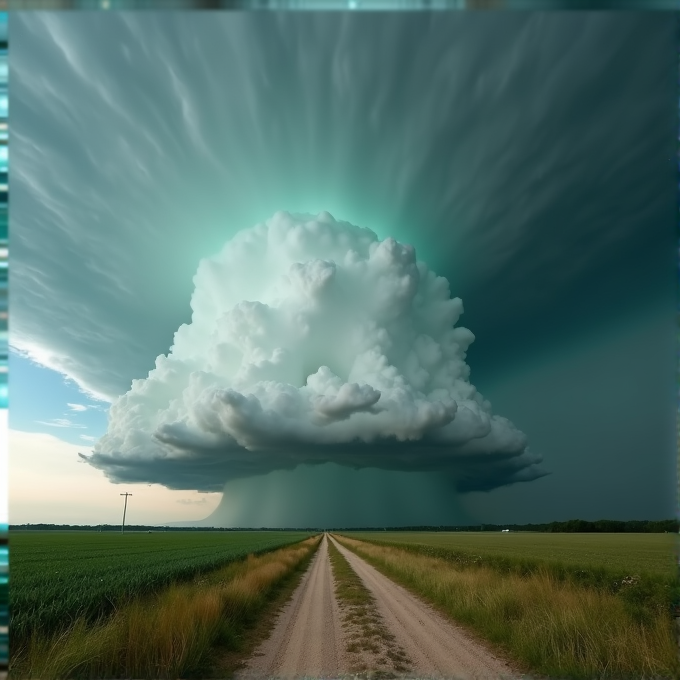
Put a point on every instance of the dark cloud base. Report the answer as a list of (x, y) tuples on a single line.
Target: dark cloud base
[(466, 473)]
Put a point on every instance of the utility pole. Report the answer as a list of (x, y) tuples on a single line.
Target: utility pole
[(126, 494)]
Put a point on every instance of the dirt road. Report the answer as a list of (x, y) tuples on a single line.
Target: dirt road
[(434, 646), (308, 639)]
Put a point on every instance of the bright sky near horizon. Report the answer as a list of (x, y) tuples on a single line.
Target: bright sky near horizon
[(50, 483)]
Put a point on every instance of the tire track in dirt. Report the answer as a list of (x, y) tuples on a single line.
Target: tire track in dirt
[(433, 644), (371, 646), (307, 639)]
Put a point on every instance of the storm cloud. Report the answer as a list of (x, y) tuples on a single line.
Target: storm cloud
[(529, 157), (495, 143), (312, 341)]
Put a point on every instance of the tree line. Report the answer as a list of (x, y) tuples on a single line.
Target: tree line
[(130, 528), (570, 526)]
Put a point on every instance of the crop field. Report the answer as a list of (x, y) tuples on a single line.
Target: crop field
[(57, 577), (184, 630), (572, 618), (653, 554)]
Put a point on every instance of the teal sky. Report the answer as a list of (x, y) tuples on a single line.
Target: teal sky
[(529, 158)]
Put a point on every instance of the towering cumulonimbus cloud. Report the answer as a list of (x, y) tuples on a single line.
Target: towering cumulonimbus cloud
[(312, 341)]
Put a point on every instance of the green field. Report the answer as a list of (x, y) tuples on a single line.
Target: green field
[(58, 576), (653, 554), (563, 606)]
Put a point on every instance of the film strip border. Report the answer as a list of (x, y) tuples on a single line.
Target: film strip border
[(335, 5), (4, 357), (677, 327)]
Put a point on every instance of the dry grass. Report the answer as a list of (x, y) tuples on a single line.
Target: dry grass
[(170, 635), (552, 627), (368, 637)]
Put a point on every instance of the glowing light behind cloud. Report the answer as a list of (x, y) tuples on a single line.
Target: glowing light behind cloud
[(312, 341)]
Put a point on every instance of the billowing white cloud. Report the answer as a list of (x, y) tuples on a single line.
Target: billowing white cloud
[(312, 341)]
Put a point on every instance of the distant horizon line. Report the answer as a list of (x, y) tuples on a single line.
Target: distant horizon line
[(575, 525)]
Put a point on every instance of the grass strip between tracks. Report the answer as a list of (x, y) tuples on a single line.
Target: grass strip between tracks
[(171, 634), (550, 626), (366, 631)]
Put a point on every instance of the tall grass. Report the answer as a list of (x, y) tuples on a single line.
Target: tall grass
[(59, 577), (646, 593), (169, 635), (551, 626)]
